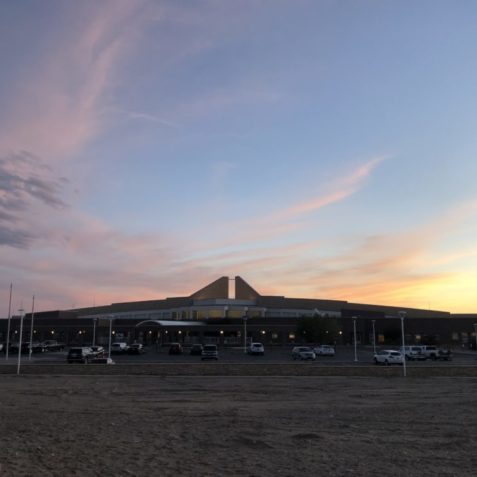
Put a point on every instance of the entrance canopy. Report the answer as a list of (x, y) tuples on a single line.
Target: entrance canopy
[(171, 323)]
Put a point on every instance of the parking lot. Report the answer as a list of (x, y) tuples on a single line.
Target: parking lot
[(277, 355)]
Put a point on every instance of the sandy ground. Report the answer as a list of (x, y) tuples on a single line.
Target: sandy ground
[(244, 426)]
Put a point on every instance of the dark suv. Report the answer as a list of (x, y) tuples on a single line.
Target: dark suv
[(80, 355), (196, 349), (175, 348)]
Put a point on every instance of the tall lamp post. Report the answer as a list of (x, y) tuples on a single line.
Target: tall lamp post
[(354, 335), (374, 336), (111, 318), (22, 315), (31, 327), (95, 321), (9, 319), (402, 315), (245, 318)]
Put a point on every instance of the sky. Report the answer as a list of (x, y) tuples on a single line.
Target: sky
[(317, 148)]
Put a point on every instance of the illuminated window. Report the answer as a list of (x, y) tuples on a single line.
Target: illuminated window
[(235, 313), (215, 313), (291, 336)]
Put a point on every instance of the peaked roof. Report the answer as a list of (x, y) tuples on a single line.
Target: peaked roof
[(217, 289), (220, 289), (243, 291)]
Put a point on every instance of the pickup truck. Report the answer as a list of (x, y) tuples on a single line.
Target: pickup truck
[(434, 353), (413, 353)]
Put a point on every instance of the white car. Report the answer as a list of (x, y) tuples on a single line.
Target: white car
[(413, 353), (303, 353), (257, 349), (119, 347), (388, 356), (324, 350)]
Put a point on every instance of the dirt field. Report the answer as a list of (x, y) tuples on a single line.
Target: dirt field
[(237, 426)]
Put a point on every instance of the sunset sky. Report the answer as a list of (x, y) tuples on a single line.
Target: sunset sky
[(319, 149)]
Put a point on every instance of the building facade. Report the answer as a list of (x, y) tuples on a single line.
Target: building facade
[(227, 310)]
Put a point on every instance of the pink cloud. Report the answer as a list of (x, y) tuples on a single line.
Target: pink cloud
[(60, 105), (342, 189), (97, 263)]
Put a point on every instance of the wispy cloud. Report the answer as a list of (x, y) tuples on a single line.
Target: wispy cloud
[(342, 189), (285, 221), (97, 260), (61, 104)]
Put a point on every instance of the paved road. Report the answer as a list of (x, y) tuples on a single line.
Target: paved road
[(344, 357)]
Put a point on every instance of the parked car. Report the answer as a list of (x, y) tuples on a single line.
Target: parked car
[(303, 353), (413, 353), (429, 352), (25, 347), (80, 355), (388, 356), (102, 360), (256, 349), (434, 353), (37, 347), (98, 351), (53, 345), (324, 350), (196, 349), (210, 352), (136, 348), (119, 348), (444, 354), (175, 348)]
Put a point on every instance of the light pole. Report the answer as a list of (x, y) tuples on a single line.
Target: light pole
[(9, 318), (354, 334), (245, 318), (95, 320), (402, 315), (374, 336), (31, 328), (110, 335), (22, 315)]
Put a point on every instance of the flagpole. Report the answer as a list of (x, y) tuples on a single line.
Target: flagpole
[(9, 317)]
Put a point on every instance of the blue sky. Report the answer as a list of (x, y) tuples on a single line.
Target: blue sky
[(317, 148)]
